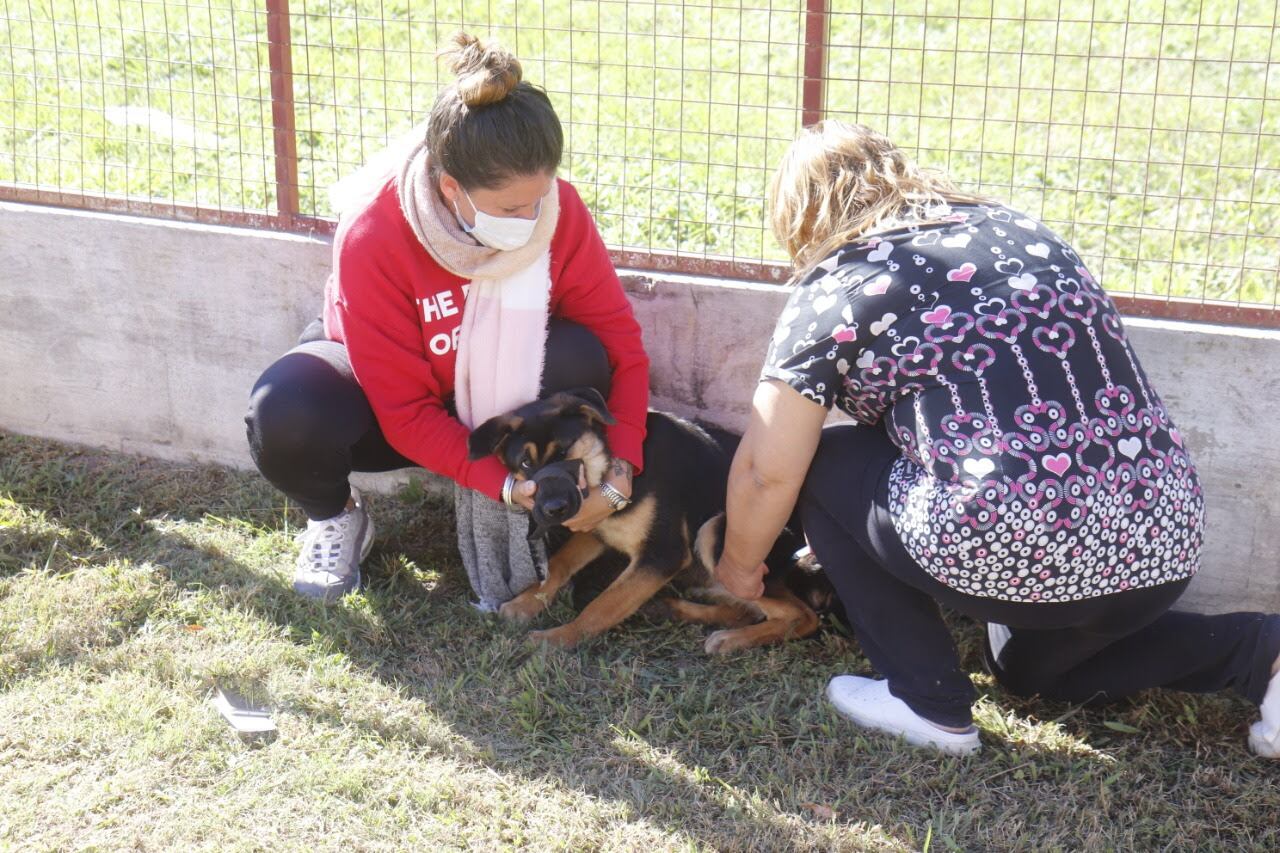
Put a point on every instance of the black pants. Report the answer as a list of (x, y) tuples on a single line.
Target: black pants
[(310, 424), (1097, 649)]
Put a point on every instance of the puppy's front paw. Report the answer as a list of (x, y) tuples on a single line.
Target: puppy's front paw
[(726, 641), (522, 608), (563, 637)]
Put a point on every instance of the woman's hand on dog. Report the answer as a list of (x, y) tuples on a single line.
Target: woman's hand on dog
[(596, 508), (522, 494), (745, 583)]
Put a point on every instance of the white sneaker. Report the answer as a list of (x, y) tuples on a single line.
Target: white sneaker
[(328, 566), (1264, 735), (868, 702)]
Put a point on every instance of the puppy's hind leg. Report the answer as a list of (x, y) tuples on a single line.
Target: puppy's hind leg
[(786, 617), (580, 550), (720, 615)]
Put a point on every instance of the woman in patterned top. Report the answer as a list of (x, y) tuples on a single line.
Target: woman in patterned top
[(1009, 457)]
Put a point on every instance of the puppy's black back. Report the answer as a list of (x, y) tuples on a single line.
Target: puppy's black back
[(725, 440), (684, 468), (791, 539)]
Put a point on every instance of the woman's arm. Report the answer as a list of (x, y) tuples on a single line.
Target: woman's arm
[(764, 481), (588, 292)]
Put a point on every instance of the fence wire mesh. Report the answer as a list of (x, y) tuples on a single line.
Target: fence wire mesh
[(155, 101), (672, 111), (1147, 132)]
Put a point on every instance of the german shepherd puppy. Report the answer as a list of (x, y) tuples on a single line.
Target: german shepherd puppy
[(672, 532)]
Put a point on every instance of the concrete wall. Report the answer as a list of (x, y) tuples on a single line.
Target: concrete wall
[(145, 336), (141, 335)]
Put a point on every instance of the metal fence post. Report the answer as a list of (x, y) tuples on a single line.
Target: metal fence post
[(280, 56), (815, 59)]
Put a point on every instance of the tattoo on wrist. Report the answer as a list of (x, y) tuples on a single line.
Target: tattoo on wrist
[(621, 468)]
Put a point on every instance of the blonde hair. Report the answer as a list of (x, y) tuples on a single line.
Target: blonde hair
[(839, 182)]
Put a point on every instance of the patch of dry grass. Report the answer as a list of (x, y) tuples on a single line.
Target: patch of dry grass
[(129, 589)]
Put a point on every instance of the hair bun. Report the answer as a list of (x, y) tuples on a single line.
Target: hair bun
[(486, 71)]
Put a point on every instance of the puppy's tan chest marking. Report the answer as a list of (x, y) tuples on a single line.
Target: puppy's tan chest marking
[(628, 530)]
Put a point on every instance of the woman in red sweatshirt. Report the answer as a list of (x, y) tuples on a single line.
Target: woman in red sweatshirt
[(455, 276)]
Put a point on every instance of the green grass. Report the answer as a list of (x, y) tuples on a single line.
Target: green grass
[(1147, 132), (130, 588)]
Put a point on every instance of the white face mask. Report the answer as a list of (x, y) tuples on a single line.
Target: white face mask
[(503, 233)]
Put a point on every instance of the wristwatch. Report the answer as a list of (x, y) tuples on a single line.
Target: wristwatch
[(616, 499)]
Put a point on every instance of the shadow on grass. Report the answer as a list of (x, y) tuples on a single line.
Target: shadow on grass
[(77, 515), (737, 753)]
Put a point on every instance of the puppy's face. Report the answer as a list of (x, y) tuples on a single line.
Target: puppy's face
[(810, 583), (551, 441)]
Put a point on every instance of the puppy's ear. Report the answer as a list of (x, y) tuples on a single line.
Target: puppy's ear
[(587, 401), (491, 435)]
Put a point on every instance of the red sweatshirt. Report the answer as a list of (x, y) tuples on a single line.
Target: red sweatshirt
[(399, 312)]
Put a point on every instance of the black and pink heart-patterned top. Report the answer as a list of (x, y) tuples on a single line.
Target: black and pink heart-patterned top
[(1038, 463)]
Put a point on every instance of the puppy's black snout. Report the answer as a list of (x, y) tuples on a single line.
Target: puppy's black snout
[(557, 507), (558, 497)]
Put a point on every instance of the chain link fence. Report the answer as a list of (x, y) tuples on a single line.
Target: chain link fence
[(1148, 133)]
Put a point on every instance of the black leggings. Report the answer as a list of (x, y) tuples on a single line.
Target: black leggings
[(310, 424), (1096, 649)]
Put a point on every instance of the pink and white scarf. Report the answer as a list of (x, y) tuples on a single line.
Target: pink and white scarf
[(501, 346), (501, 352)]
